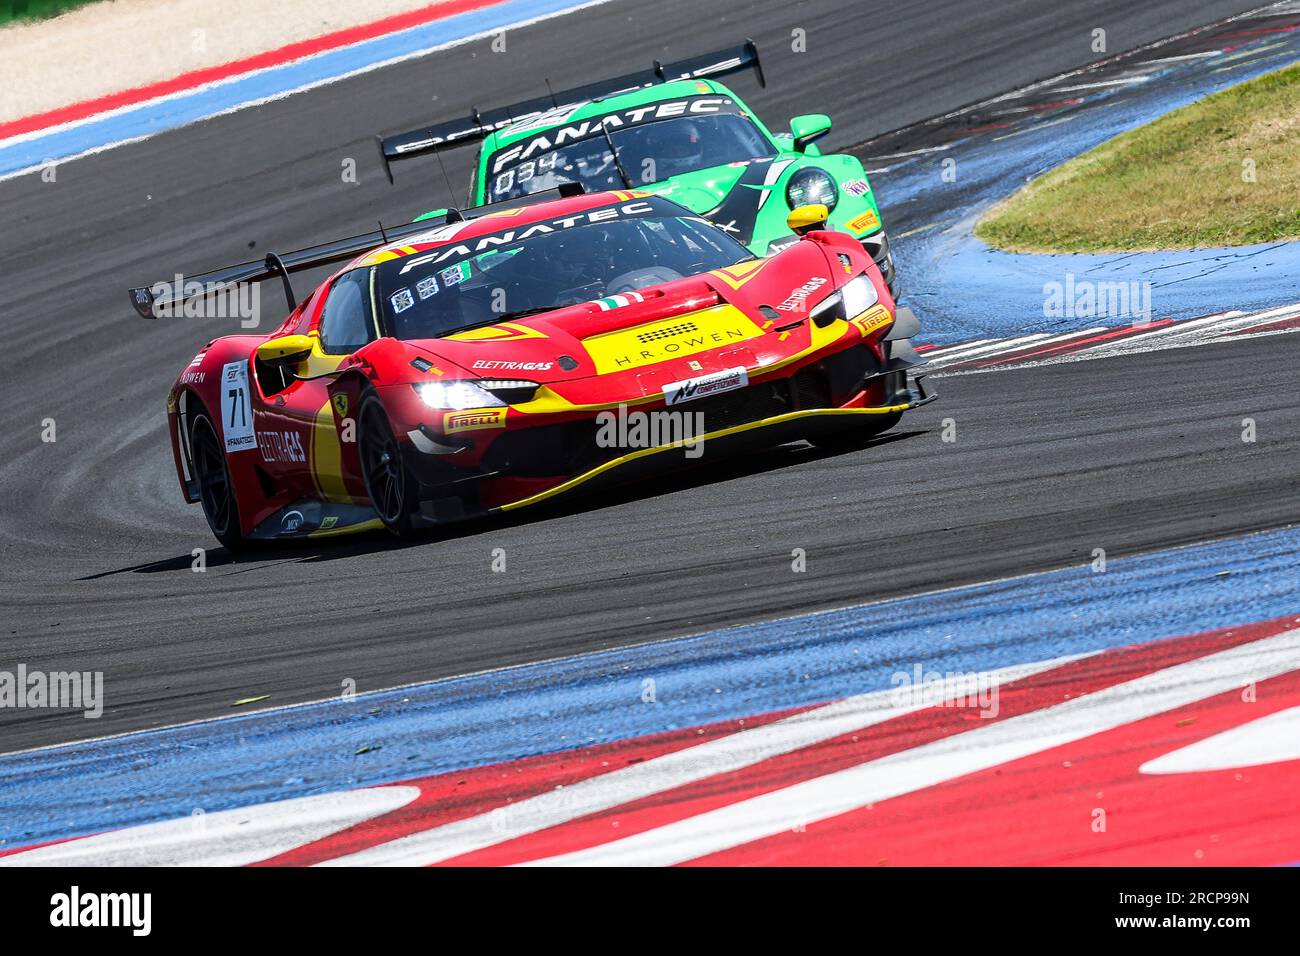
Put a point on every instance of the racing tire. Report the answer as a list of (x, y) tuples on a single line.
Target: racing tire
[(216, 490), (856, 434), (388, 483)]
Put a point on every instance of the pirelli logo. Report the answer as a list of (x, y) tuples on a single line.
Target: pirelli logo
[(873, 320), (454, 422), (670, 338), (868, 220)]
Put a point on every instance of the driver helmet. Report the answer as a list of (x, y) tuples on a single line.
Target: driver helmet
[(676, 147), (568, 264)]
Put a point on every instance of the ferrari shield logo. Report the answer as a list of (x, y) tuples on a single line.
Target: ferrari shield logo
[(341, 404)]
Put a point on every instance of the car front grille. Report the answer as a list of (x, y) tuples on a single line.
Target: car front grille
[(667, 332), (742, 406), (571, 448)]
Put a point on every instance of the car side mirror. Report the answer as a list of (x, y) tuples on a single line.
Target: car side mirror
[(805, 219), (284, 349), (809, 128)]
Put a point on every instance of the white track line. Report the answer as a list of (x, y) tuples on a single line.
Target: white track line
[(1271, 739), (1185, 56), (1203, 331), (1190, 334), (934, 353), (226, 838), (1174, 333), (915, 152), (1266, 315), (1083, 334), (1248, 336), (1035, 127), (1101, 84), (980, 749), (960, 355), (1057, 339), (1141, 343), (660, 774), (1260, 318)]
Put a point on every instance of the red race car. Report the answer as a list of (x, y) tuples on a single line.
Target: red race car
[(499, 357)]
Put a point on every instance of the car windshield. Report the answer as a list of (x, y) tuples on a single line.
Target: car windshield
[(601, 252), (649, 153)]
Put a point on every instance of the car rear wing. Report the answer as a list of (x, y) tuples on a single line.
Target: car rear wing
[(478, 126), (163, 298)]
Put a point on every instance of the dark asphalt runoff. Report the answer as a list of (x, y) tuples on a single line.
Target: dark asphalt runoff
[(1125, 454)]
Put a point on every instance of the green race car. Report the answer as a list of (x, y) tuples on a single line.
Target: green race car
[(674, 131)]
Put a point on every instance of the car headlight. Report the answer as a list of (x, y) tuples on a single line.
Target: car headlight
[(812, 186), (478, 393), (456, 395), (859, 295), (852, 299)]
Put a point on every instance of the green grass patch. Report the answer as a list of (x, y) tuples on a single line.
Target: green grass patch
[(1224, 171), (16, 10)]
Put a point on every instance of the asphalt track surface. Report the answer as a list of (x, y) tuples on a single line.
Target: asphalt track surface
[(1127, 454)]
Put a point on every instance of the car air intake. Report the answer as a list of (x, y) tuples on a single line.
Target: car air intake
[(667, 332)]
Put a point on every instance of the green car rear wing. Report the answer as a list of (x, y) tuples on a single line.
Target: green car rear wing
[(479, 125)]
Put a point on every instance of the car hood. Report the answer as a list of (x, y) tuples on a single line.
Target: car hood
[(733, 195), (673, 330)]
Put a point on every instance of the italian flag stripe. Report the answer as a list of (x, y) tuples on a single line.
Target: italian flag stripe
[(618, 301)]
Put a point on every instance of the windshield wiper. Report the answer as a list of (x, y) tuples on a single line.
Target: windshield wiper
[(521, 313), (618, 163)]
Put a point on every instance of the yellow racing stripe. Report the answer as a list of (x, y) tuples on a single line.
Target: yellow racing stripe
[(720, 433), (327, 458)]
